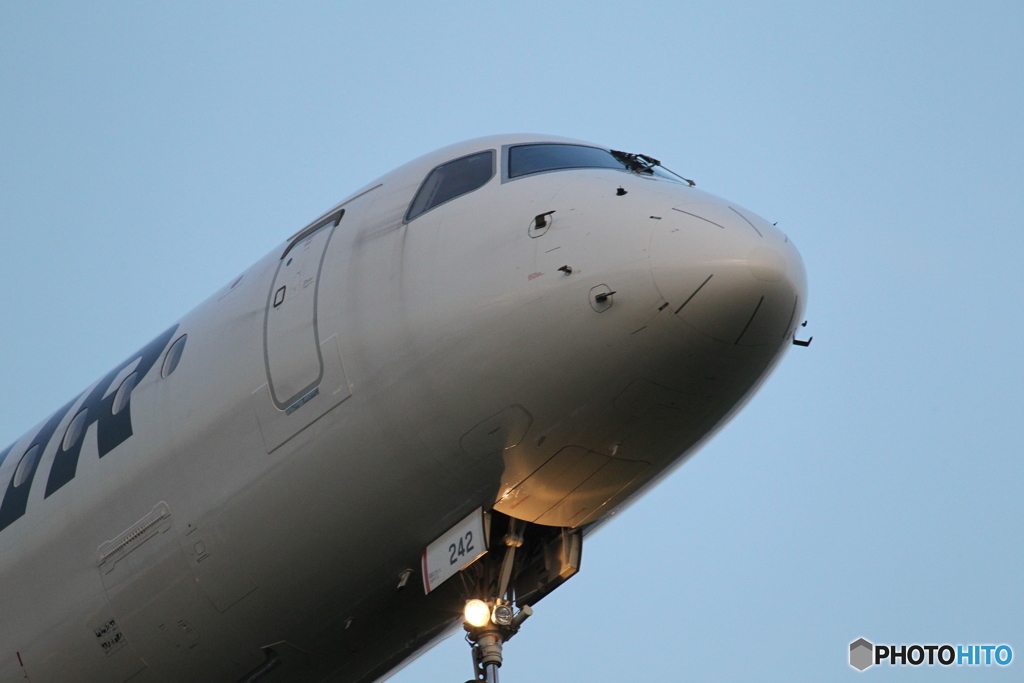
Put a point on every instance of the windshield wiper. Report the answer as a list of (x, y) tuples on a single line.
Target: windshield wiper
[(641, 163), (638, 163)]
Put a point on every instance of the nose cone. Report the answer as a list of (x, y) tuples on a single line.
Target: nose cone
[(728, 273)]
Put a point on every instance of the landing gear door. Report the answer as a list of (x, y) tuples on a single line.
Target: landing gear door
[(291, 338)]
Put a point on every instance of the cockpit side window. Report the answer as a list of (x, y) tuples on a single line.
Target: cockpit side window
[(528, 159), (450, 180)]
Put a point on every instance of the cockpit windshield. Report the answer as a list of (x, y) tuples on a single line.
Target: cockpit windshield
[(527, 159), (451, 180), (539, 158)]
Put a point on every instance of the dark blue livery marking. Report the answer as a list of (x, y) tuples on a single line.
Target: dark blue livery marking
[(111, 431)]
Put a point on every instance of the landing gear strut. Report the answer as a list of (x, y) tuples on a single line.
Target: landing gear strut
[(551, 557), (489, 624), (487, 641)]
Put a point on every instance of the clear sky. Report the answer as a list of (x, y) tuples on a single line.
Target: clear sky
[(149, 152)]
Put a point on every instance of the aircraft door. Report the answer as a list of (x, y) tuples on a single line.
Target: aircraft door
[(291, 338)]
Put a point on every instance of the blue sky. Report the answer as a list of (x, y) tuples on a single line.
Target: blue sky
[(149, 152)]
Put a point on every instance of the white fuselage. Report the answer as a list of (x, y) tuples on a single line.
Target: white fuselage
[(343, 404)]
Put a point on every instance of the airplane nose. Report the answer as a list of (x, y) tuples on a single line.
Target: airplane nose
[(728, 273)]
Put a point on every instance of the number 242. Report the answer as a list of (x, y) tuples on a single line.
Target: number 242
[(464, 546)]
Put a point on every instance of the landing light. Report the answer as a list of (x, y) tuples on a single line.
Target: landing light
[(477, 613), (502, 615)]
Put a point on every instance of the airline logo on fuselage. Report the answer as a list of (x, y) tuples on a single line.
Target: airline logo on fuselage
[(112, 429)]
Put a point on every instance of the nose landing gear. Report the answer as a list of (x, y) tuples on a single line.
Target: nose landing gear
[(487, 643), (546, 558), (489, 624)]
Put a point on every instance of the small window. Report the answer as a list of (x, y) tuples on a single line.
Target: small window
[(74, 431), (451, 180), (124, 393), (27, 464), (171, 359), (527, 159)]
